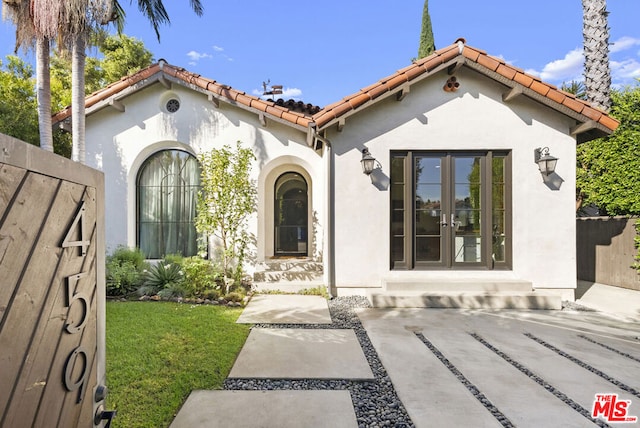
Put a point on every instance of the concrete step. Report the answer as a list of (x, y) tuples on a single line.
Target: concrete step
[(295, 265), (466, 300), (286, 276), (460, 285), (286, 287)]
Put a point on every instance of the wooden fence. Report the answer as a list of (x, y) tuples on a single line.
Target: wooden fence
[(606, 250), (51, 289)]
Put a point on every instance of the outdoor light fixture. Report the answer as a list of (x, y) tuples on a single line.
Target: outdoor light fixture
[(546, 162), (368, 162)]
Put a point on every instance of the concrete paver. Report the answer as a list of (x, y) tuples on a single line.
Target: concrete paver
[(514, 393), (285, 309), (297, 353), (267, 409)]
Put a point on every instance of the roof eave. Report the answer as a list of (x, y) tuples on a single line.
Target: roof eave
[(399, 91), (162, 77), (594, 129)]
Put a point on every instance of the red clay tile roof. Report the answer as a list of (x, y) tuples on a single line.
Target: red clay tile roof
[(224, 92), (308, 116), (480, 61)]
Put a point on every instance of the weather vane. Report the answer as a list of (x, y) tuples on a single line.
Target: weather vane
[(275, 89)]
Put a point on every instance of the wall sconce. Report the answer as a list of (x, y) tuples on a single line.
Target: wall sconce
[(368, 162), (546, 162)]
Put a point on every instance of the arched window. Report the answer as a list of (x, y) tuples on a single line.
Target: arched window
[(167, 187), (291, 216)]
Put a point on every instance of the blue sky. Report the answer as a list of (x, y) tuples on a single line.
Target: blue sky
[(322, 54)]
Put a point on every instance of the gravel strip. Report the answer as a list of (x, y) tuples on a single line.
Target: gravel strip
[(586, 366), (504, 421), (624, 354), (376, 403), (540, 381)]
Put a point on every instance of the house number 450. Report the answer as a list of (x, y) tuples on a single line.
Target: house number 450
[(76, 326)]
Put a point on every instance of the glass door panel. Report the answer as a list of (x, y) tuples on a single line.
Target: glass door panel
[(291, 215), (467, 212), (428, 209)]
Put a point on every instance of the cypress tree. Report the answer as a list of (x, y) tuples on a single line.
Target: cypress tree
[(427, 44)]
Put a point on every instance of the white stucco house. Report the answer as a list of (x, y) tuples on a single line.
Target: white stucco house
[(455, 200)]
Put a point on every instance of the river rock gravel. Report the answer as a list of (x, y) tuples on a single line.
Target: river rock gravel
[(375, 402)]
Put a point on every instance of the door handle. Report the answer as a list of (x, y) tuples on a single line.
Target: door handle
[(444, 220)]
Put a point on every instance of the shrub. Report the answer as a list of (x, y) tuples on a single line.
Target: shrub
[(234, 297), (173, 290), (199, 276), (212, 294), (162, 275), (124, 271), (176, 259)]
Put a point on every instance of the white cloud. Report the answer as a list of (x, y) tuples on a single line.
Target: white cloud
[(291, 93), (197, 56), (625, 70), (568, 68), (623, 43), (625, 66), (217, 48), (287, 93)]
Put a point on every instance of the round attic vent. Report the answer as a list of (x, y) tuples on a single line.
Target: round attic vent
[(173, 105)]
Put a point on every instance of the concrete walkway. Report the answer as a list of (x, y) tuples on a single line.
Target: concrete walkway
[(449, 367), (284, 353)]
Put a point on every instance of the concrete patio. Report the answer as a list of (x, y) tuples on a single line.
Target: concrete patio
[(449, 367)]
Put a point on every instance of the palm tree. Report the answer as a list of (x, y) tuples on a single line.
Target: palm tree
[(28, 36), (154, 10), (69, 21), (597, 73)]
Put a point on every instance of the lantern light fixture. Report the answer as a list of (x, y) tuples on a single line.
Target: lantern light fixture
[(368, 162), (546, 162)]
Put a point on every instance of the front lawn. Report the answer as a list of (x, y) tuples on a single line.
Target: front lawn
[(158, 352)]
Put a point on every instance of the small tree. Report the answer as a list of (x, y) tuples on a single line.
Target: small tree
[(225, 202)]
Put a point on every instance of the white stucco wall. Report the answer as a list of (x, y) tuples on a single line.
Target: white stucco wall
[(473, 118), (118, 143)]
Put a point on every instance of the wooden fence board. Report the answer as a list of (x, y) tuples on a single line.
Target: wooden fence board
[(51, 288), (10, 179), (37, 283)]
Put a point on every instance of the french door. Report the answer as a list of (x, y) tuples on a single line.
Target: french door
[(449, 210)]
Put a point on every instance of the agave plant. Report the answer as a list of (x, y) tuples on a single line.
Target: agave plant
[(161, 276)]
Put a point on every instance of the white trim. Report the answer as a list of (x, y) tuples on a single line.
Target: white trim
[(266, 183)]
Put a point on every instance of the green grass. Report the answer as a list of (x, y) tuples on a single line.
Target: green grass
[(157, 353)]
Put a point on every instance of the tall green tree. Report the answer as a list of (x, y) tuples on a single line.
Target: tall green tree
[(427, 44), (225, 202), (608, 169), (597, 73), (70, 22), (18, 111)]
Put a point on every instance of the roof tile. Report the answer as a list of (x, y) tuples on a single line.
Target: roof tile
[(608, 122), (377, 91), (396, 81), (523, 79), (555, 95), (573, 104), (592, 113), (293, 113), (489, 62), (506, 71), (358, 100), (432, 63), (540, 88)]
